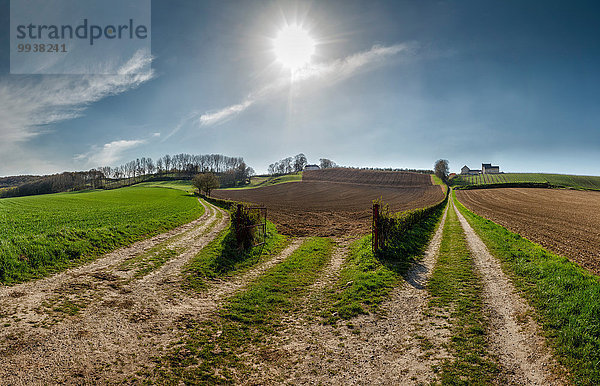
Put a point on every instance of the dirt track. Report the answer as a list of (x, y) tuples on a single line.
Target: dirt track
[(383, 348), (318, 208), (514, 336), (564, 221), (99, 321), (124, 319)]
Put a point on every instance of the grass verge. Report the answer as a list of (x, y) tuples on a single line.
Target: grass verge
[(565, 296), (456, 289), (213, 349), (366, 279)]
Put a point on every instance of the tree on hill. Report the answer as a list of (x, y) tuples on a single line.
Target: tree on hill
[(442, 170), (205, 182), (327, 163), (288, 165), (300, 162)]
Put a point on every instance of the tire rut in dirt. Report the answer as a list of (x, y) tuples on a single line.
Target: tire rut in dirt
[(514, 336), (114, 327), (379, 348)]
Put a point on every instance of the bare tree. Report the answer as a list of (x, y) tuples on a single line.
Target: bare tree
[(167, 161)]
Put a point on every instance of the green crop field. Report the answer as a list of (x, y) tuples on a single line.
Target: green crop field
[(185, 185), (42, 234), (565, 180), (257, 182)]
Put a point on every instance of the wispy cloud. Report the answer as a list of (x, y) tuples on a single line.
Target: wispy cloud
[(224, 114), (326, 73), (29, 104), (109, 153)]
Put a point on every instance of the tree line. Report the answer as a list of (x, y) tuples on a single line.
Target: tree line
[(55, 183), (230, 171), (298, 163), (181, 165)]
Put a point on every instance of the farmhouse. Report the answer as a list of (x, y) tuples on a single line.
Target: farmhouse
[(485, 169), (466, 171), (312, 167), (489, 169)]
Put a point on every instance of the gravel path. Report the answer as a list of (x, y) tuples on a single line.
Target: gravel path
[(383, 348), (96, 322), (514, 336)]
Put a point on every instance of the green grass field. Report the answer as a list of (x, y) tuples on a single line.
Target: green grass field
[(259, 182), (564, 180), (185, 185), (43, 234)]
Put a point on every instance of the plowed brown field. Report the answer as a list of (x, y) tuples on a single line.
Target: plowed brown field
[(566, 222), (319, 208), (368, 177)]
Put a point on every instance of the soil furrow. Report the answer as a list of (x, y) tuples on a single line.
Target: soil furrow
[(566, 222), (514, 336)]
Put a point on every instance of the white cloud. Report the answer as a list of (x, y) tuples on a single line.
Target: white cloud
[(326, 73), (28, 104), (109, 153), (224, 114), (349, 66)]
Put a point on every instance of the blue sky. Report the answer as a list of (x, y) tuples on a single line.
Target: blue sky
[(391, 84)]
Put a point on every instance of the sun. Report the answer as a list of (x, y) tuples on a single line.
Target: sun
[(293, 47)]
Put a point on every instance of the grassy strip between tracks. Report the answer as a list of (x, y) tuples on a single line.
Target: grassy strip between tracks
[(213, 349), (156, 257), (565, 296), (366, 279), (222, 256), (456, 290)]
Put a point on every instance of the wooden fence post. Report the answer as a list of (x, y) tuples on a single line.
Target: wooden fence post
[(375, 225), (238, 225)]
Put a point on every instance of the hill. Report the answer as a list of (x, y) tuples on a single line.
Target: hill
[(368, 177), (557, 180), (263, 181), (11, 181)]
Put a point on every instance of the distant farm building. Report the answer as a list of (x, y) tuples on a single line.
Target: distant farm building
[(490, 169), (312, 167), (485, 169), (466, 171)]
